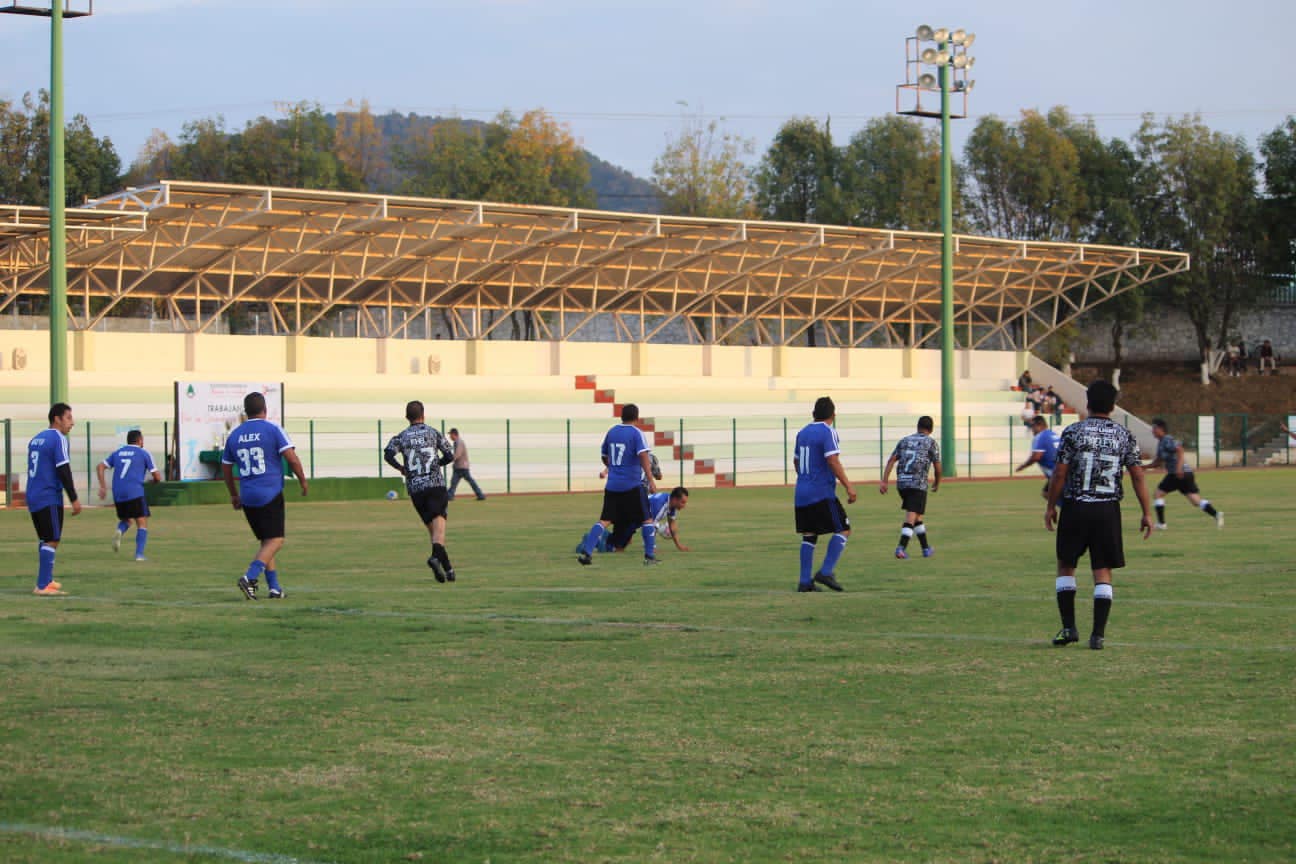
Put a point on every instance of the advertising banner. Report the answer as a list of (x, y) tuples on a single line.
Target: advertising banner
[(205, 412)]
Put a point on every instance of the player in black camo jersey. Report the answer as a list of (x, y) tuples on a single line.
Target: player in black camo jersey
[(1179, 476), (912, 457), (1092, 458), (424, 452)]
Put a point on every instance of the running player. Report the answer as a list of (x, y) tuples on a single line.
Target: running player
[(915, 454), (424, 453), (130, 466), (1179, 476), (1043, 450)]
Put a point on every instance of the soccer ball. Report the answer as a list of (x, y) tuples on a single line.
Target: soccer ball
[(391, 495)]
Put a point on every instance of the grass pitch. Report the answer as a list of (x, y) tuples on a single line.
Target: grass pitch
[(696, 711)]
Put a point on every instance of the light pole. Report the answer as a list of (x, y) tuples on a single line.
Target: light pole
[(952, 63), (56, 11)]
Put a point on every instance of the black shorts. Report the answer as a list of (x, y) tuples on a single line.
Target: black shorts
[(267, 521), (913, 500), (628, 508), (48, 522), (1094, 527), (822, 517), (1173, 483), (135, 508), (430, 503), (623, 534)]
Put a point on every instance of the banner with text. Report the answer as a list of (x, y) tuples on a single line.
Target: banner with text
[(205, 412)]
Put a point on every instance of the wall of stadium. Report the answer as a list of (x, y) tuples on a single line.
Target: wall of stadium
[(1166, 334), (150, 359)]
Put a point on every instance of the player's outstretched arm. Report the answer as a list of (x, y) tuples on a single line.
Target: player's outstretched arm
[(1034, 457), (673, 524), (389, 456)]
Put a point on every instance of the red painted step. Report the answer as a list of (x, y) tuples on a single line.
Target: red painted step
[(605, 396), (725, 480), (663, 439), (586, 382), (682, 451), (703, 466)]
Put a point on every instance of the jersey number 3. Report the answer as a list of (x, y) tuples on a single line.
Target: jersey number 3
[(1107, 468), (251, 461)]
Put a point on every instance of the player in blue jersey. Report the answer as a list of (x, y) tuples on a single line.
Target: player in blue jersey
[(1043, 450), (1179, 476), (629, 483), (914, 454), (817, 461), (257, 447), (49, 475), (130, 466)]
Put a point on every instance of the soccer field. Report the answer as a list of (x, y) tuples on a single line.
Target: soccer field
[(700, 710)]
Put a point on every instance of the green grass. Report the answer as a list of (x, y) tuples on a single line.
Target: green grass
[(698, 711)]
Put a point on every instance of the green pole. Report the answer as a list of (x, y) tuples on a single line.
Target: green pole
[(312, 448), (785, 453), (1216, 440), (681, 446), (380, 449), (88, 483), (568, 454), (969, 445), (1245, 417), (733, 436), (1012, 463), (508, 456), (57, 217), (881, 446), (947, 273), (166, 449), (8, 445)]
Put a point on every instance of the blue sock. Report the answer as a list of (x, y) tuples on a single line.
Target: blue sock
[(122, 526), (807, 560), (649, 532), (255, 569), (141, 537), (45, 575), (272, 579), (591, 541), (835, 547)]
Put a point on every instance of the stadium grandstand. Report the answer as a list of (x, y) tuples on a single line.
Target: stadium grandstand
[(528, 325)]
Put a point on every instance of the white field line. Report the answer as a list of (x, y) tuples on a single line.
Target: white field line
[(675, 626), (92, 837)]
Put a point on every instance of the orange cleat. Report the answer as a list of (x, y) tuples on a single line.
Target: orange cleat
[(50, 590)]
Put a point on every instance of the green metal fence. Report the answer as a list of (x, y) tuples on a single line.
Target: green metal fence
[(562, 454)]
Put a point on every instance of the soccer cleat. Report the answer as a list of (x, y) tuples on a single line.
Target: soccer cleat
[(140, 558), (1096, 643), (55, 585), (117, 538), (438, 570), (806, 589), (248, 587), (50, 590), (650, 561), (276, 594), (828, 580), (1219, 519), (584, 558), (901, 553), (1161, 526), (450, 577), (929, 551), (1066, 636)]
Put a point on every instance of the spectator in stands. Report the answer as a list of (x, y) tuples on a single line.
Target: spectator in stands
[(1233, 360), (1028, 413), (462, 470), (1053, 403), (1024, 382), (1268, 359)]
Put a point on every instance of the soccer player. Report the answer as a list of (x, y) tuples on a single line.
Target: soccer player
[(914, 453), (424, 453), (817, 461), (1179, 476), (257, 446), (664, 507), (629, 483), (131, 466), (49, 475), (1043, 450), (1091, 460)]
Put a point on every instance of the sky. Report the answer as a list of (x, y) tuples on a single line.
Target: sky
[(623, 73)]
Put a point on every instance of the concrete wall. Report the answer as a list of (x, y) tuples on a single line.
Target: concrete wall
[(1171, 337)]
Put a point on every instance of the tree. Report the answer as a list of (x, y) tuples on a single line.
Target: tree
[(91, 165), (1024, 180), (155, 160), (797, 179), (1197, 194), (204, 151), (360, 146), (890, 176), (538, 162), (1278, 207), (447, 161), (701, 172)]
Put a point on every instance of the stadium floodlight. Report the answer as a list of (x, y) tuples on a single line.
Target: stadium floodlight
[(949, 56)]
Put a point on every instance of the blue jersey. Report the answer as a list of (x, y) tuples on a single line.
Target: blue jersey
[(1046, 444), (254, 446), (815, 480), (621, 448), (130, 466), (45, 453)]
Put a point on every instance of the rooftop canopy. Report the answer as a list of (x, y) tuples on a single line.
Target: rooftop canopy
[(204, 249)]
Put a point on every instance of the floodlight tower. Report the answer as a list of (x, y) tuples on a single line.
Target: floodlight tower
[(56, 11), (952, 63)]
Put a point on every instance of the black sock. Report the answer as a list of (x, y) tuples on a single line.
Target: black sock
[(1102, 608), (1066, 606), (1160, 508), (1208, 509), (920, 531), (439, 552), (904, 538)]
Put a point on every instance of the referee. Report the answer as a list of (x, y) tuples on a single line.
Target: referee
[(1092, 456)]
